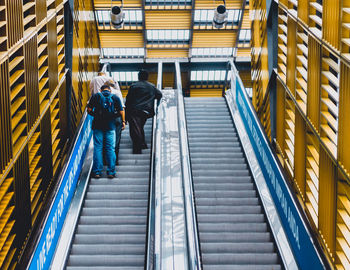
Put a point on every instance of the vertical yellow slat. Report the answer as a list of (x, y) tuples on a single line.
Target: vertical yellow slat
[(327, 200), (291, 56), (314, 80), (300, 144), (303, 10), (344, 118), (280, 107)]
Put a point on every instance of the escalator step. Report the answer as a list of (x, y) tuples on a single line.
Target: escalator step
[(106, 260)]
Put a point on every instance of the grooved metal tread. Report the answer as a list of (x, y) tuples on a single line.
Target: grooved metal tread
[(111, 231), (233, 232)]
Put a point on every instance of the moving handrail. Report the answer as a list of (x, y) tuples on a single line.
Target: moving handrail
[(151, 245), (191, 220)]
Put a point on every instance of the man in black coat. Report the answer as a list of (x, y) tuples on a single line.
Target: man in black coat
[(140, 106)]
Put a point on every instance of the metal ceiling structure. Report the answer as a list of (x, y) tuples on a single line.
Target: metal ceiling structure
[(168, 29)]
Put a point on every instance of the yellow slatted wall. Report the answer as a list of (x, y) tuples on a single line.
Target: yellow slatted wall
[(33, 111), (312, 111)]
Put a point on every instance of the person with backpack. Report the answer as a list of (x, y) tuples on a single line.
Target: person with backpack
[(116, 91), (140, 106), (105, 108)]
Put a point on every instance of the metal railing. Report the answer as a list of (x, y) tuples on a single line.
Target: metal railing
[(191, 218), (152, 242)]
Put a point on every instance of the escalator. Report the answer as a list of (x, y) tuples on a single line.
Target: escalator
[(233, 232), (111, 230)]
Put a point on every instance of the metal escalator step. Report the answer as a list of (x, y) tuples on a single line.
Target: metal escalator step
[(222, 167), (222, 179), (221, 209), (214, 144), (227, 161), (118, 181), (238, 248), (241, 237), (132, 168), (242, 267), (107, 239), (218, 155), (205, 202), (133, 162), (210, 133), (108, 220), (207, 218), (200, 116), (232, 173), (108, 249), (120, 211), (115, 203), (105, 268), (130, 174), (217, 186), (141, 187), (116, 195), (225, 194), (250, 258), (107, 229), (106, 260), (229, 227)]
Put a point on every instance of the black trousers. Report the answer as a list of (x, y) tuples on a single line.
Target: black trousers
[(137, 122)]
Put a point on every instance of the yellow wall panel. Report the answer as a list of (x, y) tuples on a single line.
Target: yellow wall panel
[(115, 39), (205, 39), (210, 4), (171, 19), (166, 53), (127, 3), (207, 92), (246, 78)]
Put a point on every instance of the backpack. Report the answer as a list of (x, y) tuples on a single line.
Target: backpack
[(107, 109)]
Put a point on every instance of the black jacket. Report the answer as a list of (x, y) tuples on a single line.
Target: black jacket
[(141, 97)]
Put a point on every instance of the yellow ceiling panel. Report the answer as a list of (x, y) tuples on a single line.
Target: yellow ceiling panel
[(243, 52), (213, 39), (167, 7), (121, 39), (246, 20), (211, 4), (127, 3), (166, 53), (206, 92), (170, 19), (167, 46)]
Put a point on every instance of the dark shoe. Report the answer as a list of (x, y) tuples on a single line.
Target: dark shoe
[(136, 150), (111, 176), (144, 146), (95, 175)]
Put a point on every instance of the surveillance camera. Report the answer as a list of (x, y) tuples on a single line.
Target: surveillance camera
[(117, 17), (220, 16)]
